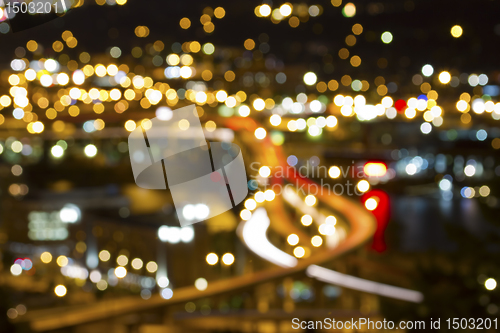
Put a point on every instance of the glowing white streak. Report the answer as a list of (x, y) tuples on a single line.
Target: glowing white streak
[(254, 236), (352, 282)]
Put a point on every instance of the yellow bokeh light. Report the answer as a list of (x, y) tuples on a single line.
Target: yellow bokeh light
[(151, 267), (456, 31), (137, 263), (130, 125), (219, 12), (355, 61), (334, 172), (38, 127), (465, 118), (120, 272), (299, 252), (212, 258), (142, 31), (444, 77), (210, 125), (306, 220), (357, 29), (259, 104), (275, 119), (184, 124), (46, 257), (66, 35), (269, 195), (62, 261), (490, 284), (350, 40), (99, 124), (209, 27), (228, 259), (229, 76), (293, 239), (410, 113), (72, 42), (265, 10), (286, 9), (249, 44), (60, 290), (122, 260), (51, 113), (32, 46), (265, 171), (14, 80), (185, 23), (100, 70), (221, 96), (112, 70), (146, 124), (245, 214), (371, 204), (260, 133), (250, 204), (173, 59), (205, 18), (363, 185), (316, 241), (5, 101), (206, 75), (294, 21), (495, 143), (428, 116), (310, 200)]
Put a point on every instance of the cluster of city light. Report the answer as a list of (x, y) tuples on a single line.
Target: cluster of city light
[(20, 309), (293, 13), (431, 113), (475, 192), (21, 265), (73, 270), (259, 197), (227, 259), (199, 211), (151, 93), (136, 87), (175, 235), (123, 260)]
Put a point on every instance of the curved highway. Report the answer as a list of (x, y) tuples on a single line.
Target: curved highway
[(361, 222)]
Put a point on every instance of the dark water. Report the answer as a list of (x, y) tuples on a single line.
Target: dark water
[(423, 223)]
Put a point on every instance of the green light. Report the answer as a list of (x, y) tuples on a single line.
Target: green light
[(356, 85), (208, 48), (225, 111), (277, 138), (386, 37)]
